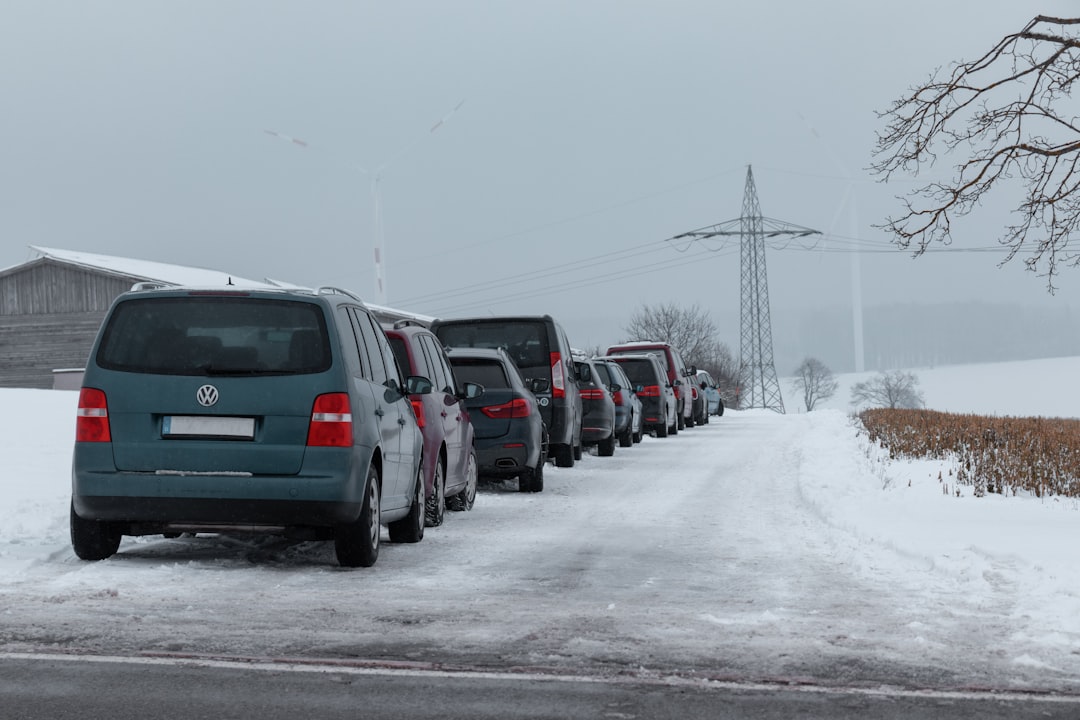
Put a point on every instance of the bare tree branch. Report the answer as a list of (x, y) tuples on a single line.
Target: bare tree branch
[(1008, 114)]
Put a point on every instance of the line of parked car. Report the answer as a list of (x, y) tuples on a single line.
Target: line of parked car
[(295, 412)]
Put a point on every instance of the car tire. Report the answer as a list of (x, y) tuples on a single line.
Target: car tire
[(435, 506), (680, 422), (675, 428), (626, 437), (579, 450), (606, 447), (465, 499), (662, 430), (93, 539), (532, 479), (357, 543), (564, 456), (638, 436), (410, 529), (691, 421)]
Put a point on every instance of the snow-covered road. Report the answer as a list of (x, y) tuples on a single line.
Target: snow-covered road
[(759, 546)]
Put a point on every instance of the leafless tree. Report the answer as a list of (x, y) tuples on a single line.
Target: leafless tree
[(893, 389), (693, 332), (816, 381), (1009, 115)]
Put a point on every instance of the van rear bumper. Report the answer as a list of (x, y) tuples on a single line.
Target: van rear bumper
[(191, 514)]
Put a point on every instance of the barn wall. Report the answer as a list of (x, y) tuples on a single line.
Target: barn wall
[(45, 286), (32, 346), (49, 315)]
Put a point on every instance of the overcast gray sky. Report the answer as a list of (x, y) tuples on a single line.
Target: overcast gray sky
[(590, 131)]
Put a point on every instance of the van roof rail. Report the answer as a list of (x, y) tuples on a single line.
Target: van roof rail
[(330, 289)]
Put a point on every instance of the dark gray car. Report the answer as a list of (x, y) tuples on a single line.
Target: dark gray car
[(511, 440)]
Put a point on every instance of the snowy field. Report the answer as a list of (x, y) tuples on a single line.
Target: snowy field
[(758, 545)]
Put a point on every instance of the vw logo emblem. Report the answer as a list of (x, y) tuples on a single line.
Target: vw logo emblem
[(207, 395)]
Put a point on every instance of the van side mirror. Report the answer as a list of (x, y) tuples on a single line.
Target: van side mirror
[(418, 385), (471, 390)]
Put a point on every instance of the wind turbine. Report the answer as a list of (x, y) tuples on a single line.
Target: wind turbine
[(848, 199), (376, 176)]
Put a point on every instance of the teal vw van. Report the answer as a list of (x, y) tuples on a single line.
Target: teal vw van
[(265, 410)]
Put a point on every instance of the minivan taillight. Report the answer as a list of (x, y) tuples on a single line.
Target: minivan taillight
[(92, 417), (558, 376), (649, 391), (516, 408), (331, 421)]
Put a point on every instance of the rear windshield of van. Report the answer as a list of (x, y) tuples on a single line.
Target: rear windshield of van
[(215, 336), (640, 371), (658, 353), (525, 342)]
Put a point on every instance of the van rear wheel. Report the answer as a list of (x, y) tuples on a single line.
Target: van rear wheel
[(435, 508), (93, 539), (564, 456), (465, 499), (410, 529), (357, 543), (532, 479)]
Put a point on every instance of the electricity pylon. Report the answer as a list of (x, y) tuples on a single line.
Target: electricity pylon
[(758, 386)]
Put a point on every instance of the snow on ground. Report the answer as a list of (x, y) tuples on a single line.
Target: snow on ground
[(945, 580)]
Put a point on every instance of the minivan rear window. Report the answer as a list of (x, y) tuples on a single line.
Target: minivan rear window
[(525, 342), (656, 352), (640, 372), (215, 335)]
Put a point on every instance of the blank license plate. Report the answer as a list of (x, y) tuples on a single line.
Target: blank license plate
[(206, 426)]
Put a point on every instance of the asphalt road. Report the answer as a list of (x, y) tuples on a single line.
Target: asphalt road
[(75, 688)]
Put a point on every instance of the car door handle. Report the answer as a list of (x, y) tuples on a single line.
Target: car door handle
[(443, 413), (401, 421), (379, 411)]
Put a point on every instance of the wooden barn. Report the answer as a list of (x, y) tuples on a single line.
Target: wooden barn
[(52, 305)]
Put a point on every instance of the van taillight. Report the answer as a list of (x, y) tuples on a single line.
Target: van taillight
[(558, 376), (649, 391), (418, 411), (331, 421), (592, 394), (92, 417), (516, 408)]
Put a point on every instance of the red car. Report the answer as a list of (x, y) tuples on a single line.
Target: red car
[(677, 374), (450, 468)]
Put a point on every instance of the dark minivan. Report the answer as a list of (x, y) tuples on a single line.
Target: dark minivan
[(541, 351)]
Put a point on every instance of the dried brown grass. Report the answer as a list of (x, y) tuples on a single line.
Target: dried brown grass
[(1003, 455)]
